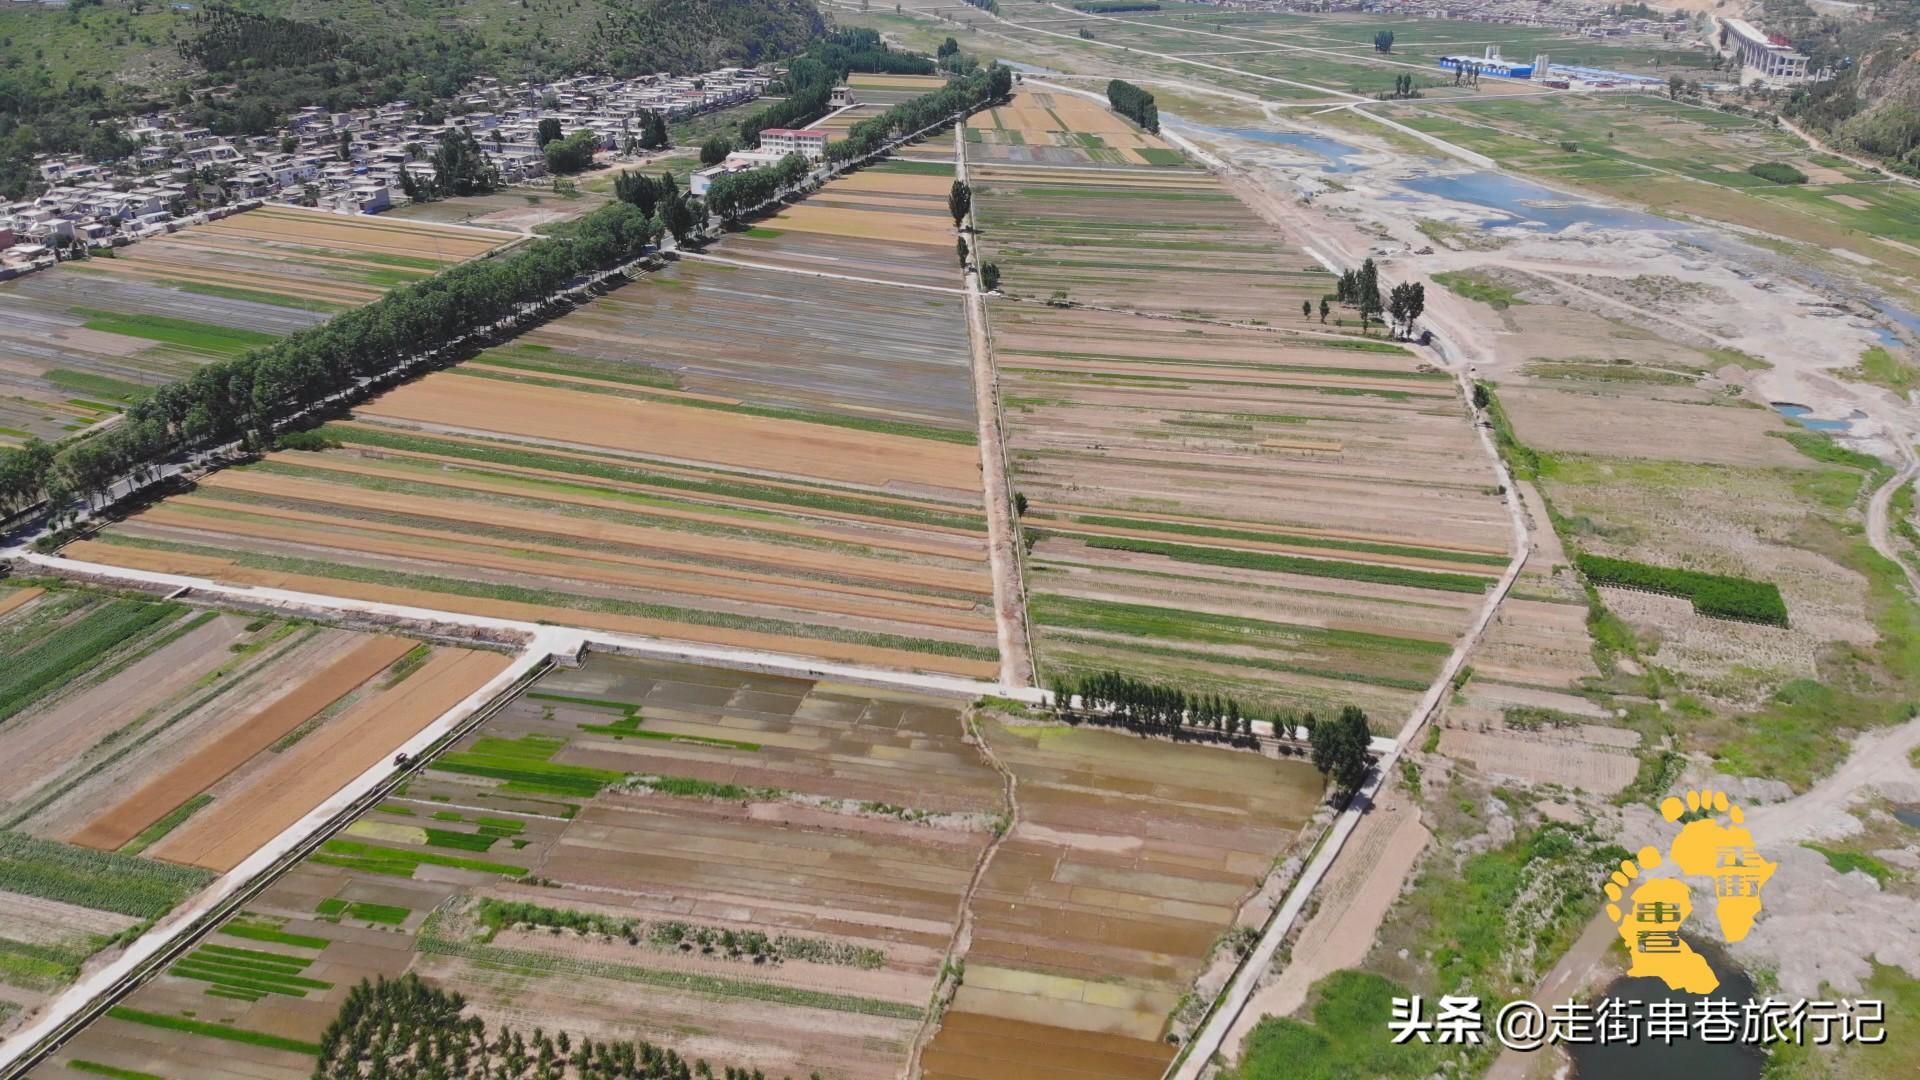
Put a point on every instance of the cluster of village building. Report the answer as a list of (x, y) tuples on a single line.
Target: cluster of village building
[(349, 162)]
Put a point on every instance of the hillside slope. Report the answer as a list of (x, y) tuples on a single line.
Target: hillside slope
[(61, 69), (1873, 107)]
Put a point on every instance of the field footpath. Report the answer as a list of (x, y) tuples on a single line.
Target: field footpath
[(1004, 548), (701, 256), (1878, 533), (962, 940)]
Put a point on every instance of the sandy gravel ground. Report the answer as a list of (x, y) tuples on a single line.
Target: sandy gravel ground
[(1363, 885)]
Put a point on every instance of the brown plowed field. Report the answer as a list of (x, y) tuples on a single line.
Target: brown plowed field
[(227, 570), (272, 799), (783, 447), (18, 598), (807, 864), (322, 524), (236, 746), (458, 482), (1107, 898), (602, 570)]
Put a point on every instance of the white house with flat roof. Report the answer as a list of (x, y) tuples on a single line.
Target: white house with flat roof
[(810, 143)]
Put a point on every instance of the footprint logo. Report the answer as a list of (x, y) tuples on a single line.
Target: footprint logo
[(1717, 845), (1713, 844)]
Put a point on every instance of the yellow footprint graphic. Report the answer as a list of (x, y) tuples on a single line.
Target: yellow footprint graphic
[(1722, 850), (1650, 925)]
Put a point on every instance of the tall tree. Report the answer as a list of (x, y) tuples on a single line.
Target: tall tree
[(959, 201), (460, 168), (655, 137), (715, 150), (1340, 750), (1367, 294), (546, 131), (1406, 303), (678, 217), (636, 188)]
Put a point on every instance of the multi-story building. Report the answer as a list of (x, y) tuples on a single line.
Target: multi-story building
[(810, 143), (1767, 57)]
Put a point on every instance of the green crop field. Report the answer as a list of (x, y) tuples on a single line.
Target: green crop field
[(95, 879), (52, 653)]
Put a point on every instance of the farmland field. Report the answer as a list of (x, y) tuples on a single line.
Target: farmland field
[(1161, 240), (187, 738), (754, 870), (1042, 127), (891, 89), (775, 865), (1128, 862), (516, 210), (1282, 517), (1299, 517), (725, 452), (83, 340)]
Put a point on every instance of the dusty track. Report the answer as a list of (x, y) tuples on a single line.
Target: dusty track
[(1003, 554)]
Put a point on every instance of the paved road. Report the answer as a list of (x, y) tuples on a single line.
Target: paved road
[(569, 638)]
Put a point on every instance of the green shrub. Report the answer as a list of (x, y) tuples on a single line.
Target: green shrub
[(1778, 172), (310, 441), (1720, 596)]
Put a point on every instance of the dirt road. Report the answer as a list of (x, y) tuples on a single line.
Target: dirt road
[(1003, 555), (1879, 515)]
